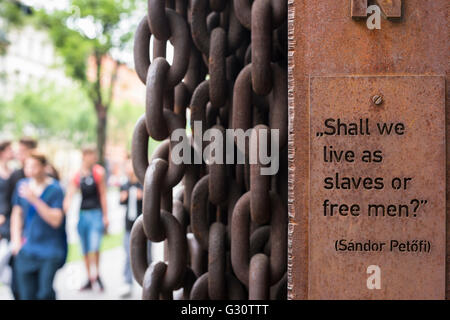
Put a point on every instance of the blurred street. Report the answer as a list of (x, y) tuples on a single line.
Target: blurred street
[(72, 276)]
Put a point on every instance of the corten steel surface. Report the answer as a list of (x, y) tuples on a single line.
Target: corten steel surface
[(324, 40), (418, 103), (392, 9)]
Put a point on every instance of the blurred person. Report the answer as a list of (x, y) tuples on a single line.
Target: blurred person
[(38, 235), (6, 155), (52, 172), (131, 193), (25, 147), (93, 218)]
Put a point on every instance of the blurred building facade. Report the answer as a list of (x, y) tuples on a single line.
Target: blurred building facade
[(29, 58), (127, 88)]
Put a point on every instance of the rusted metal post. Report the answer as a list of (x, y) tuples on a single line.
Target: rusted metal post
[(340, 68)]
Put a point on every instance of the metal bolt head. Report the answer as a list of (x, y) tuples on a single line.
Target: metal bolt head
[(377, 99)]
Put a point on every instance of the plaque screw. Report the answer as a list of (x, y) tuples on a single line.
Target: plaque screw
[(377, 99)]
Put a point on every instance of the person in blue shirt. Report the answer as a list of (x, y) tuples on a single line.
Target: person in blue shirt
[(38, 234)]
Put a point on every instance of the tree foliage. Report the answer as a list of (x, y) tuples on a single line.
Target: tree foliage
[(49, 112), (13, 13), (88, 28), (91, 28), (123, 118)]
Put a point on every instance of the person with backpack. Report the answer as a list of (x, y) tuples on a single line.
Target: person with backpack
[(93, 218), (131, 194), (38, 234)]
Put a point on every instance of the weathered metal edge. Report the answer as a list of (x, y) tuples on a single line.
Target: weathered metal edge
[(387, 75), (447, 190), (291, 146)]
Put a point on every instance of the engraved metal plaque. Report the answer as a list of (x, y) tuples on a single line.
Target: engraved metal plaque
[(377, 187)]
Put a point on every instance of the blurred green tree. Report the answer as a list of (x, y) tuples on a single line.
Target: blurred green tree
[(96, 29), (48, 111), (123, 118), (12, 13)]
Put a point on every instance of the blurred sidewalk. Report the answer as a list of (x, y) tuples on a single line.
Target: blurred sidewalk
[(72, 276)]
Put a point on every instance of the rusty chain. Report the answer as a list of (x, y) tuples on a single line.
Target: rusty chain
[(225, 231)]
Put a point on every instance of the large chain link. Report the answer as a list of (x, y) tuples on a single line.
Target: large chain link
[(225, 233)]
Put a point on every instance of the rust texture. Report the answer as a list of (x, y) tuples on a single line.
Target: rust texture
[(418, 154), (359, 8), (392, 9), (324, 40)]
